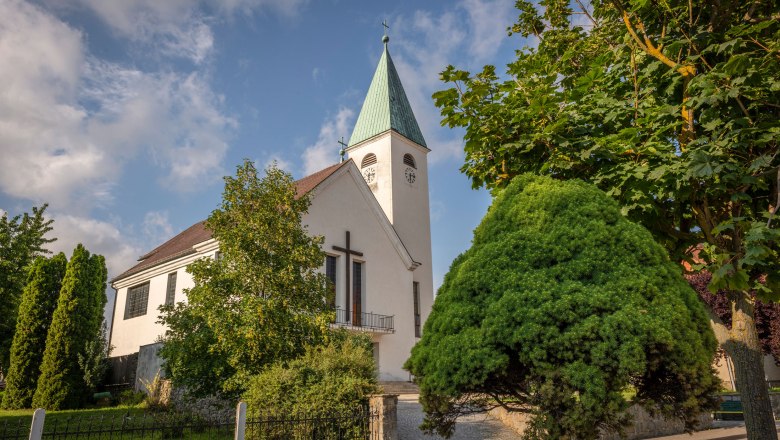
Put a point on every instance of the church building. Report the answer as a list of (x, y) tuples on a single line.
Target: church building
[(373, 213)]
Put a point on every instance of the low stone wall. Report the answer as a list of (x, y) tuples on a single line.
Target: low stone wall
[(644, 426)]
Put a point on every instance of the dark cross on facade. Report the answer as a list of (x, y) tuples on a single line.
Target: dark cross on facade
[(348, 285), (343, 149)]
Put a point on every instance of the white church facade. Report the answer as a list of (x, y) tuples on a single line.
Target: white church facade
[(373, 212)]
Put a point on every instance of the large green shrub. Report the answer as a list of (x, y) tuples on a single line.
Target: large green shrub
[(39, 300), (562, 307), (261, 302), (76, 322), (336, 378)]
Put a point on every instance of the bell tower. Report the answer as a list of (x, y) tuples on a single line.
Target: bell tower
[(390, 150)]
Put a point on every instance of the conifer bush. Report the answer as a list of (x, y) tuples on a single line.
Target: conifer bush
[(38, 302), (562, 308), (76, 322)]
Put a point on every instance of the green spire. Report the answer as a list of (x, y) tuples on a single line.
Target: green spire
[(386, 106)]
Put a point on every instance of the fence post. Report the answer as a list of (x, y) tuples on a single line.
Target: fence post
[(36, 428), (386, 406), (240, 420)]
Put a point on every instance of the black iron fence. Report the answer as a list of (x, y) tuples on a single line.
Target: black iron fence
[(361, 424), (141, 426), (368, 321), (355, 425)]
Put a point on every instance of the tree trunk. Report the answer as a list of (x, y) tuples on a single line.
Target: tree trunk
[(745, 350)]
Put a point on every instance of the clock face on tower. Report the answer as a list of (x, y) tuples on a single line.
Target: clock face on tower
[(369, 174), (409, 175)]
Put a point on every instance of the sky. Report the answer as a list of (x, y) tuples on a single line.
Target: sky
[(124, 115)]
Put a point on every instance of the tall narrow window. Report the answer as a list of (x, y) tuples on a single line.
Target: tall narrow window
[(137, 299), (357, 293), (416, 295), (330, 273), (170, 291)]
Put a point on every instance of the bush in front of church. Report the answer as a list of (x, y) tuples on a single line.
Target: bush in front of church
[(562, 308), (330, 380)]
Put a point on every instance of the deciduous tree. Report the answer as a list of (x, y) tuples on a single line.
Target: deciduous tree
[(560, 308), (672, 109), (21, 239), (263, 301), (39, 300)]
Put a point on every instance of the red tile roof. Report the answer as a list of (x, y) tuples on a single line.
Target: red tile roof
[(183, 243)]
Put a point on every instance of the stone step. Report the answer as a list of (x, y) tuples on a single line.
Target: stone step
[(399, 387)]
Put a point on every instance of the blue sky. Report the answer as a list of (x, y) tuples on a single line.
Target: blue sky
[(124, 115)]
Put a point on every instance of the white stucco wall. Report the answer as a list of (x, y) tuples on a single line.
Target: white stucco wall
[(406, 205), (127, 335), (341, 207)]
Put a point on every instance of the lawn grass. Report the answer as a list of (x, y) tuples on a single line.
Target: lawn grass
[(14, 415), (125, 422)]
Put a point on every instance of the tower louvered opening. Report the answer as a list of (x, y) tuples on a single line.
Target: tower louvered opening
[(369, 160), (409, 161)]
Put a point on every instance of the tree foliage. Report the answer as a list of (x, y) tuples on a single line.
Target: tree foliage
[(39, 300), (75, 323), (560, 307), (609, 108), (21, 240), (263, 301), (93, 360), (672, 109), (333, 379), (767, 313)]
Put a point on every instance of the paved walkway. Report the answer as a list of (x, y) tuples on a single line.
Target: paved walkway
[(482, 427), (474, 427), (722, 431)]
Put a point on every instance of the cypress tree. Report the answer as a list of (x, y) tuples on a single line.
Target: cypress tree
[(75, 322), (39, 300)]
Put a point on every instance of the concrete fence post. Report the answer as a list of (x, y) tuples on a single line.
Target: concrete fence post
[(386, 405), (240, 421), (36, 428)]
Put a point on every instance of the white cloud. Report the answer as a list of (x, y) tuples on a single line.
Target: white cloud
[(179, 27), (324, 152), (174, 27), (280, 162), (156, 227), (488, 20), (69, 122), (98, 237)]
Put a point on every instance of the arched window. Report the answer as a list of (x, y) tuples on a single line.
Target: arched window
[(368, 160), (409, 160)]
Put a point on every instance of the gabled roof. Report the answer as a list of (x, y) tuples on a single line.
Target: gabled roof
[(386, 106), (184, 243)]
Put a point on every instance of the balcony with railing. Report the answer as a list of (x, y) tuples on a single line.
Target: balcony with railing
[(357, 320)]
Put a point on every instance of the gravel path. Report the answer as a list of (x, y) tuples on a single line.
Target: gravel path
[(474, 427)]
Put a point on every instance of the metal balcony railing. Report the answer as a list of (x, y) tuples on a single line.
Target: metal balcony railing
[(367, 321)]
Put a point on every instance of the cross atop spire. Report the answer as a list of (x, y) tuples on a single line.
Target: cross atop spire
[(385, 38)]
